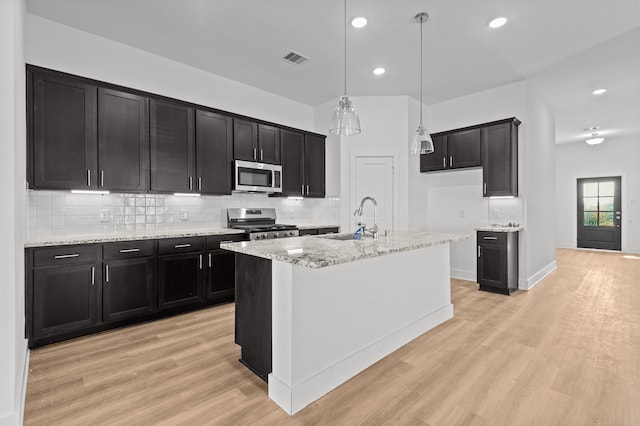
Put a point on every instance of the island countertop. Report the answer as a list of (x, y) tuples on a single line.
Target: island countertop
[(322, 251)]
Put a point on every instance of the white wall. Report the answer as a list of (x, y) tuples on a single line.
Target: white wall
[(614, 157), (53, 45), (13, 352)]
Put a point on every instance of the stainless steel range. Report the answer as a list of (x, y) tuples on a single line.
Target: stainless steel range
[(259, 223)]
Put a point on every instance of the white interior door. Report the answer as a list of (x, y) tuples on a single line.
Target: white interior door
[(373, 176)]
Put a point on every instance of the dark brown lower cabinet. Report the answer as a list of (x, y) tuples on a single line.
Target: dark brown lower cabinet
[(127, 290), (497, 267), (179, 279), (319, 231)]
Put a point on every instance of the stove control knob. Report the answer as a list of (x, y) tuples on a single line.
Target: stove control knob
[(276, 234)]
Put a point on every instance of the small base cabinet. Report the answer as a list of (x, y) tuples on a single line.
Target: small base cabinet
[(497, 267)]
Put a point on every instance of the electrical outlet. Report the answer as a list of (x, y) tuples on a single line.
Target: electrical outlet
[(497, 213), (462, 213), (104, 215), (184, 215)]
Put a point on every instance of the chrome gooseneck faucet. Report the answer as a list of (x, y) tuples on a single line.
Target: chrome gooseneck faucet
[(358, 212)]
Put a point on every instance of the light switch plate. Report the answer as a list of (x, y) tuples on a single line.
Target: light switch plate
[(104, 215), (184, 215)]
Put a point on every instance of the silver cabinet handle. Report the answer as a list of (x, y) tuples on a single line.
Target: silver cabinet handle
[(261, 155), (133, 250), (451, 161), (226, 241), (485, 188), (93, 275), (182, 245), (479, 251), (88, 177), (490, 238), (66, 256), (255, 153), (307, 189), (302, 190), (106, 273), (101, 178), (200, 261), (209, 260), (190, 183), (199, 183), (444, 161)]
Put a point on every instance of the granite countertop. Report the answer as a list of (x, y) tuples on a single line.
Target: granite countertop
[(317, 226), (494, 228), (63, 240), (322, 251)]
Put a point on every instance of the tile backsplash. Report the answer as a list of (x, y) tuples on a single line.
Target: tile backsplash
[(506, 210), (64, 213)]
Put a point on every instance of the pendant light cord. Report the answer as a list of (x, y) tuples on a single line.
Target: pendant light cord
[(421, 61), (345, 47)]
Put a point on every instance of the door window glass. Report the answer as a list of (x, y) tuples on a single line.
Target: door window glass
[(598, 203)]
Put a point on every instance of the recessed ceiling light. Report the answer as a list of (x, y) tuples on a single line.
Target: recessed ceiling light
[(379, 71), (359, 22), (498, 22), (599, 91)]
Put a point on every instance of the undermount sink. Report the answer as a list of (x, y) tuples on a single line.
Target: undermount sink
[(343, 237)]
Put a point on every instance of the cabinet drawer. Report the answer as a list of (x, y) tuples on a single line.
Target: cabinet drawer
[(312, 231), (330, 230), (492, 237), (65, 255), (128, 249), (213, 241), (180, 245)]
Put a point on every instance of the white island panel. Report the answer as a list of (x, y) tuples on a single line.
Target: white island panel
[(331, 323)]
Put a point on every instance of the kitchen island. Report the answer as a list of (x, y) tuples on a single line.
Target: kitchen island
[(313, 312)]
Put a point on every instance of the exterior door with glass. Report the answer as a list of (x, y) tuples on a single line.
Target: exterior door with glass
[(599, 213)]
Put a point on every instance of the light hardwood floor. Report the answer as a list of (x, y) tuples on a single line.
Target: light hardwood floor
[(565, 353)]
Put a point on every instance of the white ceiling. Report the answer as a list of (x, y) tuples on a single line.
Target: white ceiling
[(566, 48)]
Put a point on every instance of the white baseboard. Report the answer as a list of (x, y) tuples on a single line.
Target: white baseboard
[(16, 417), (565, 245), (463, 274), (295, 399), (538, 276)]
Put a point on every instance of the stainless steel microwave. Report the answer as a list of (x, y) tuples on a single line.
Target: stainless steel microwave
[(257, 177)]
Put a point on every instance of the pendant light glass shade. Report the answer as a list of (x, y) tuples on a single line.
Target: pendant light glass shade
[(422, 142), (345, 120)]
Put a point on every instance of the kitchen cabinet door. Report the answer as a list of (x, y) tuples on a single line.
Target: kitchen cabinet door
[(214, 145), (292, 156), (245, 140), (438, 159), (179, 280), (497, 263), (500, 159), (172, 147), (62, 148), (268, 144), (123, 141), (220, 283), (128, 288), (64, 298), (314, 166), (463, 148)]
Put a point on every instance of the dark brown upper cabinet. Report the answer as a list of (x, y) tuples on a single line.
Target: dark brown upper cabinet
[(500, 158), (256, 142), (303, 164), (86, 137), (494, 146), (453, 150), (123, 141), (438, 159), (172, 147), (62, 132), (214, 153)]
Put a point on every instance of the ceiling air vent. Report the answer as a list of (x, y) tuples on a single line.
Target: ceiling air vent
[(295, 58)]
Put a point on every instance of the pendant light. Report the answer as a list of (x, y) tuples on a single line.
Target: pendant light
[(422, 143), (345, 121)]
